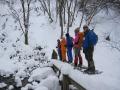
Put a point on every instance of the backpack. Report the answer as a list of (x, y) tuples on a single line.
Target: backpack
[(93, 37)]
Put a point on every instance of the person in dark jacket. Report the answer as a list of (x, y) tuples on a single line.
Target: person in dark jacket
[(88, 49), (59, 49), (69, 44)]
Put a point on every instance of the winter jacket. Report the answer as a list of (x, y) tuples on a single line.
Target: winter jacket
[(88, 40), (78, 40), (63, 44), (69, 41), (81, 36), (63, 48)]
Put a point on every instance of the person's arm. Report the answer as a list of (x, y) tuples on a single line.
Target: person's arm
[(65, 43)]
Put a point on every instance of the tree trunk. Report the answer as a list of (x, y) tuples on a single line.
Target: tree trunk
[(26, 37), (73, 13), (81, 20), (69, 17), (64, 5), (68, 20), (61, 24), (61, 18)]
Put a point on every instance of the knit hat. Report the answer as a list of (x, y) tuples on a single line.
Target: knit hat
[(77, 30), (85, 26)]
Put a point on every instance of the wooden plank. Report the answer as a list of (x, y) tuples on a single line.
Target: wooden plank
[(65, 82)]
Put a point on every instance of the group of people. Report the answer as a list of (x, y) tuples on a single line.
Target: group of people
[(82, 41)]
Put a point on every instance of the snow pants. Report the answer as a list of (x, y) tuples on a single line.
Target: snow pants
[(63, 53), (59, 54), (69, 54), (89, 57), (77, 57)]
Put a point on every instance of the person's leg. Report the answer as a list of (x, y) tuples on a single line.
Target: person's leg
[(87, 58), (64, 56), (76, 57), (70, 55), (80, 58), (59, 54), (92, 66)]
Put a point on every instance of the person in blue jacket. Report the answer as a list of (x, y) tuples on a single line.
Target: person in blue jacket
[(69, 45), (88, 48)]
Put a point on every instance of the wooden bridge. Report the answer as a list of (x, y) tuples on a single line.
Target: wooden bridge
[(67, 81)]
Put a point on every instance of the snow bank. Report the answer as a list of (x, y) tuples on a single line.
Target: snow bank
[(41, 73), (6, 67), (51, 83), (65, 69), (43, 79)]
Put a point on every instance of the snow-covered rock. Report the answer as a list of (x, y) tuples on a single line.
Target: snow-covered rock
[(52, 83), (2, 85), (41, 88), (27, 87), (41, 73), (18, 81), (11, 87)]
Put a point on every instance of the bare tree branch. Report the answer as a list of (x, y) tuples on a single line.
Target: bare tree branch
[(15, 14)]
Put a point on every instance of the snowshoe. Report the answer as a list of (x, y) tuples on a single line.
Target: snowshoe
[(82, 67), (92, 72)]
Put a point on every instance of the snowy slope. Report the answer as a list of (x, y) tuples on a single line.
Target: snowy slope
[(45, 34)]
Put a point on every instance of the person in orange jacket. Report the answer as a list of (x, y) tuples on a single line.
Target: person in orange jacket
[(78, 41), (63, 49)]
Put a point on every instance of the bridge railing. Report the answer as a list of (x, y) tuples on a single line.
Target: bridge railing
[(67, 80)]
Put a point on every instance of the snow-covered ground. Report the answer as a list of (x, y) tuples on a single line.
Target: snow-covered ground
[(106, 60), (45, 34)]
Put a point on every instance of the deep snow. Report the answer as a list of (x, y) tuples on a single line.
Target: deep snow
[(45, 34)]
